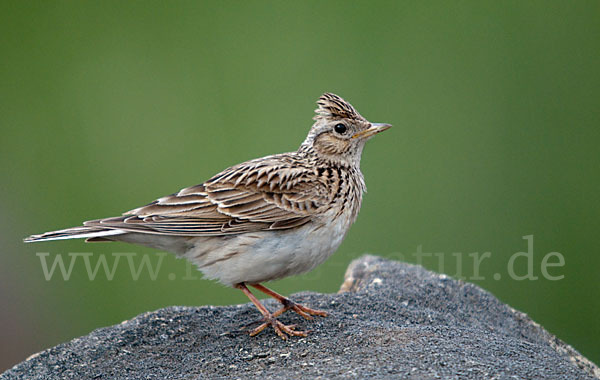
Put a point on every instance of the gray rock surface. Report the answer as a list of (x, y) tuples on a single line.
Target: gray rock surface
[(389, 320)]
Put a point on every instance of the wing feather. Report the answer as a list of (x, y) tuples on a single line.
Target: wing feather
[(272, 193)]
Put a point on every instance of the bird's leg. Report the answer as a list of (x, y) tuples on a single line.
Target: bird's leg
[(269, 318), (288, 304)]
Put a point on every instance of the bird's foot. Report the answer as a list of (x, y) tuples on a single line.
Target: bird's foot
[(288, 304), (282, 330), (270, 319), (304, 311)]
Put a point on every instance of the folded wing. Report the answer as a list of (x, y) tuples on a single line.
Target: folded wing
[(271, 193)]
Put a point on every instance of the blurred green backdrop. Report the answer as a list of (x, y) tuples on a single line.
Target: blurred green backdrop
[(108, 105)]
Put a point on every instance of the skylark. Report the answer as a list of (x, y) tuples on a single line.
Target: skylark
[(260, 220)]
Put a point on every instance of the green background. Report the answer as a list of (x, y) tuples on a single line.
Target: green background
[(105, 106)]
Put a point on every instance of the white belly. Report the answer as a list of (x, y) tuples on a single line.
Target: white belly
[(267, 255)]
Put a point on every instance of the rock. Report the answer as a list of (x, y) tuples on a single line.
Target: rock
[(389, 320)]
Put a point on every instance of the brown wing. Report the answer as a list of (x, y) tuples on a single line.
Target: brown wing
[(276, 192)]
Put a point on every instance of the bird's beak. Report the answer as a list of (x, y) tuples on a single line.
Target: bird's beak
[(374, 129)]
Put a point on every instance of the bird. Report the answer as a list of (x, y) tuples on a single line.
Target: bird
[(261, 220)]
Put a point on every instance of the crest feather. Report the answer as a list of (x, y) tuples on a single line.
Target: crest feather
[(334, 107)]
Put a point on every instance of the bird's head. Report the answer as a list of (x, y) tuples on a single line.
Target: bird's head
[(339, 132)]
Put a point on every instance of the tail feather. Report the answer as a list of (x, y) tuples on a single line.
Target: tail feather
[(75, 233)]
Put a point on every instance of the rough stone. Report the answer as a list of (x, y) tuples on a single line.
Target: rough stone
[(389, 320)]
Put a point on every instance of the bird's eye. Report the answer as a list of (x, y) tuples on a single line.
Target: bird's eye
[(340, 128)]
